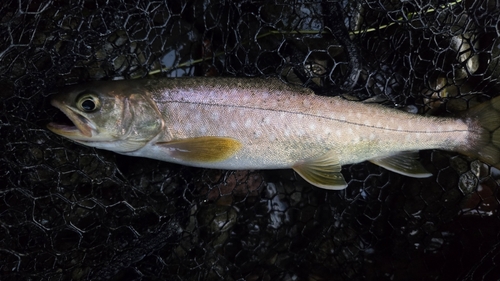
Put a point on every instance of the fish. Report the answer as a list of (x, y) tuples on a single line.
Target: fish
[(258, 123)]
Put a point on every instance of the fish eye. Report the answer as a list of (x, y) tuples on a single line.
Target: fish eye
[(88, 102)]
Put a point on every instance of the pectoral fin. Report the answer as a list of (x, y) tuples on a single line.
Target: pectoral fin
[(322, 171), (406, 163), (202, 149)]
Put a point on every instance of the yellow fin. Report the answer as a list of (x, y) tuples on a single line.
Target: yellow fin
[(322, 171), (202, 149), (405, 163)]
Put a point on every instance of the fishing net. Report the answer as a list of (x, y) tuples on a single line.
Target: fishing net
[(69, 212)]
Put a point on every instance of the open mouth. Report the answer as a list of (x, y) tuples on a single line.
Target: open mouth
[(62, 122), (70, 123)]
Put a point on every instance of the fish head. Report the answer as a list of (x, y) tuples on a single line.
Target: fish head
[(115, 115)]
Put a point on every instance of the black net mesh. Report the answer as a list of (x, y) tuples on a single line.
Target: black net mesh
[(69, 212)]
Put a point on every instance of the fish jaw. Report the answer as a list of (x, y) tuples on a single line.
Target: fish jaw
[(81, 130)]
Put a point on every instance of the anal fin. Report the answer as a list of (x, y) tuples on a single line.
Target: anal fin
[(202, 149), (322, 171), (405, 163)]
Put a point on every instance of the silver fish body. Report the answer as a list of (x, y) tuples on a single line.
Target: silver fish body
[(235, 123)]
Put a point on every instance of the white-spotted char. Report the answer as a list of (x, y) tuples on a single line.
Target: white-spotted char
[(243, 123)]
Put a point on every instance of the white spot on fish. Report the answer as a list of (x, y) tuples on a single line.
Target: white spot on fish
[(306, 103), (312, 126), (338, 133), (248, 123), (372, 136), (245, 99), (233, 125)]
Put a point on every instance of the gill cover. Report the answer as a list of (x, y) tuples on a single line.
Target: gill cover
[(142, 119)]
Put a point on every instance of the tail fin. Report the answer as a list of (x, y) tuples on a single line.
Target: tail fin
[(485, 120)]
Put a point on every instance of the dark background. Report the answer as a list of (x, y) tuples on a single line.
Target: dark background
[(69, 212)]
